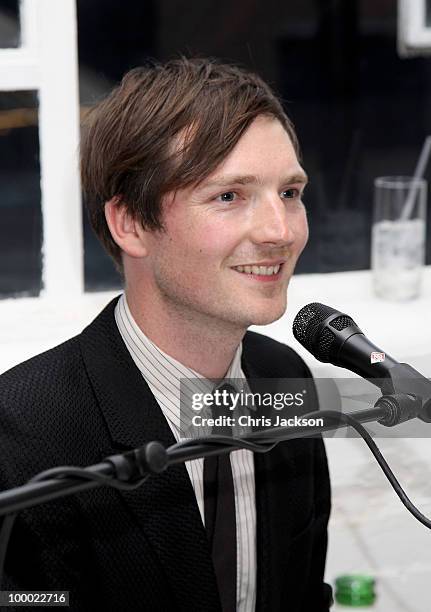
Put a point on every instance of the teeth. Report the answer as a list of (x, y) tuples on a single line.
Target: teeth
[(261, 270)]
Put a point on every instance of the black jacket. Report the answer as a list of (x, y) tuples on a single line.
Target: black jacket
[(147, 549)]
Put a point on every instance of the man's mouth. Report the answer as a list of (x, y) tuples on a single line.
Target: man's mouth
[(259, 270)]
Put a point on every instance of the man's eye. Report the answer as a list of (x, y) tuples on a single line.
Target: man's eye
[(228, 196), (291, 193)]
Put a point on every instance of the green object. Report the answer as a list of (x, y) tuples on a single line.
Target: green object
[(355, 590)]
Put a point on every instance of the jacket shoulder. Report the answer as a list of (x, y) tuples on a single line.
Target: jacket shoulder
[(46, 412), (40, 371)]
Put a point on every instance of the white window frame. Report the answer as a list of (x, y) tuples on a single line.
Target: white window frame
[(47, 61), (414, 37)]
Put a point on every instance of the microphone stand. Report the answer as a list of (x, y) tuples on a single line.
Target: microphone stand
[(132, 467)]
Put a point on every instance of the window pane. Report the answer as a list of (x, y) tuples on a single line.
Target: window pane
[(20, 210), (9, 24)]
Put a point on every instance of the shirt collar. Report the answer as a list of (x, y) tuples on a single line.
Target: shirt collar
[(164, 374)]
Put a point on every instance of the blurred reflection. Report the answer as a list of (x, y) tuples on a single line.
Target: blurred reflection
[(9, 24)]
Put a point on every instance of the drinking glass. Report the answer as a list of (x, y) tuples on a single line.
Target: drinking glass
[(398, 236)]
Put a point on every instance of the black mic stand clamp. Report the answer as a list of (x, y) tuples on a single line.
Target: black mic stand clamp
[(131, 465), (399, 408), (405, 380)]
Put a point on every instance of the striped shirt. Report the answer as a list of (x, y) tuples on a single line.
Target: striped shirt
[(163, 375)]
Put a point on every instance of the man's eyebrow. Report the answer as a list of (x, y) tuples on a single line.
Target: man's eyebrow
[(247, 179)]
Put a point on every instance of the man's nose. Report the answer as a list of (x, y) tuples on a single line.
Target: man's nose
[(271, 222)]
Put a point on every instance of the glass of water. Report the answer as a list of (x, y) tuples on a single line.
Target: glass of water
[(398, 236)]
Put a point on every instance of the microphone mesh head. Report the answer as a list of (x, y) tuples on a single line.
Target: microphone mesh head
[(306, 329), (308, 319)]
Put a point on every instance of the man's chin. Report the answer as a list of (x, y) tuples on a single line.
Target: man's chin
[(268, 316)]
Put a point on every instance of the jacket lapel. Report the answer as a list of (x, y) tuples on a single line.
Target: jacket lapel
[(165, 506)]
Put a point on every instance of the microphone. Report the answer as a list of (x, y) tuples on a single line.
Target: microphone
[(333, 337)]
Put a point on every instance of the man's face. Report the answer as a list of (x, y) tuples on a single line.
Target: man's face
[(247, 214)]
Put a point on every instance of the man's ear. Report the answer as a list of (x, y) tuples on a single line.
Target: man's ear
[(126, 231)]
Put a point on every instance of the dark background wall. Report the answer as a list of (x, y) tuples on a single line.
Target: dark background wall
[(360, 110)]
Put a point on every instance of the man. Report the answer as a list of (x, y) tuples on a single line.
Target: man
[(193, 184)]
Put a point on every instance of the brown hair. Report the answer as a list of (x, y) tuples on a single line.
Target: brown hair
[(130, 141)]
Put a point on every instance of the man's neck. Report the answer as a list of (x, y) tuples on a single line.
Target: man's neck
[(202, 345)]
